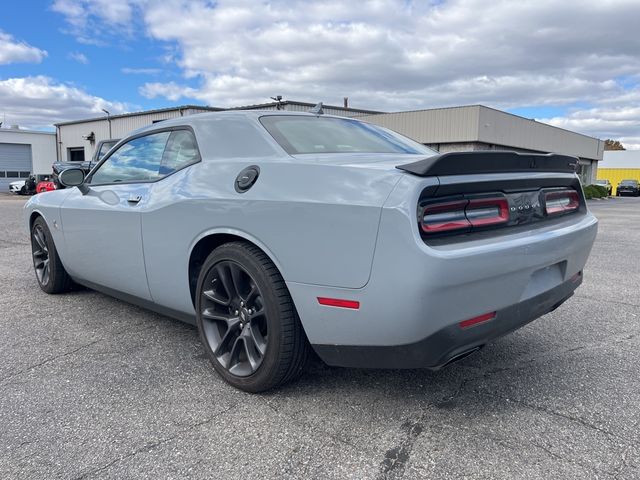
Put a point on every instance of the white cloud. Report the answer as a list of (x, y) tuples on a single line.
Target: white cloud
[(170, 90), (79, 12), (14, 51), (38, 102), (79, 57), (619, 122), (140, 71), (91, 20), (392, 54)]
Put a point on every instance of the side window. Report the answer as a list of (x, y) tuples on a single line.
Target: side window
[(135, 161), (180, 152)]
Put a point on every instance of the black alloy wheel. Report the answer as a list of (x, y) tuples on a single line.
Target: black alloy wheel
[(50, 273), (40, 252), (234, 318), (247, 321)]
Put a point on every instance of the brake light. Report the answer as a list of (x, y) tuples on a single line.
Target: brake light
[(561, 201), (443, 217), (464, 214), (487, 211)]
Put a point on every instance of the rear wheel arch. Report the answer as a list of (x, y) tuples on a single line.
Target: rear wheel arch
[(207, 244)]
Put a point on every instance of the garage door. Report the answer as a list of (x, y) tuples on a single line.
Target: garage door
[(15, 163)]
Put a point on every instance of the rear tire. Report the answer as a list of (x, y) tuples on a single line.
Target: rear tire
[(247, 321), (50, 273)]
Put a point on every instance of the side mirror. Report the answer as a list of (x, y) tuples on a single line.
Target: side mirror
[(73, 177)]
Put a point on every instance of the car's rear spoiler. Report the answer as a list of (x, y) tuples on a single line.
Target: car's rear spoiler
[(491, 161)]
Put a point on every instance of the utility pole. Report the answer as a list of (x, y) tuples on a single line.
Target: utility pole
[(108, 120)]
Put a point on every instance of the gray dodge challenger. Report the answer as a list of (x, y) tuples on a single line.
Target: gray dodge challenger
[(281, 232)]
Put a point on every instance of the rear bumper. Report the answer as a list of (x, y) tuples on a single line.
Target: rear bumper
[(449, 343)]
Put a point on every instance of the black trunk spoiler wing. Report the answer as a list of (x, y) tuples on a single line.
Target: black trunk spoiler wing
[(491, 161)]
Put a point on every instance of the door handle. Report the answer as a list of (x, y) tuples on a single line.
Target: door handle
[(134, 199)]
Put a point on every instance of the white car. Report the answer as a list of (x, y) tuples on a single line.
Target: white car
[(17, 186)]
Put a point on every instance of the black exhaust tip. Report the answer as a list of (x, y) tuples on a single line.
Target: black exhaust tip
[(462, 355)]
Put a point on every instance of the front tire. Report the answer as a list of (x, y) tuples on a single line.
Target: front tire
[(247, 321), (51, 275)]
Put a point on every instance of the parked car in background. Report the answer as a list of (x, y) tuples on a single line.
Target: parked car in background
[(606, 184), (17, 187), (45, 186), (101, 150), (628, 187), (275, 232), (24, 187)]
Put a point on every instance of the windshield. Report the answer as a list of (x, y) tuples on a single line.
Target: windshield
[(299, 134), (628, 182), (106, 146), (602, 182)]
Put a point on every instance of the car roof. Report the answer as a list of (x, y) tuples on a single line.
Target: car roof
[(252, 115)]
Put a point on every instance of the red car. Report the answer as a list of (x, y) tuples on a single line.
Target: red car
[(45, 186)]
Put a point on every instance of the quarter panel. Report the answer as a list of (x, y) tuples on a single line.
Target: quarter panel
[(416, 289), (318, 222)]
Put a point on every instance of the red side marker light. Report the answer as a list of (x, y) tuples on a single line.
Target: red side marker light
[(476, 320), (338, 302)]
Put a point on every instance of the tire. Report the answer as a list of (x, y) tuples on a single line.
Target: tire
[(50, 274), (247, 321), (23, 190)]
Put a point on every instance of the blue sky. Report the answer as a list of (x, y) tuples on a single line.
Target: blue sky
[(36, 23), (574, 64)]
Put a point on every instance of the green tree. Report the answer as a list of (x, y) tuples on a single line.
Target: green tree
[(613, 145)]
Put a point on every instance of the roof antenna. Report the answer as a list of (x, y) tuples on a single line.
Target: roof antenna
[(317, 110), (278, 99)]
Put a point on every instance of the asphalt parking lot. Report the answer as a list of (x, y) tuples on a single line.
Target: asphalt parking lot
[(91, 387)]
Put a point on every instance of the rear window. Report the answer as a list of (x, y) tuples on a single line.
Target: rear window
[(299, 134), (628, 182)]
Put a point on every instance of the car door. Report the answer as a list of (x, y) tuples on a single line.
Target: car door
[(102, 228)]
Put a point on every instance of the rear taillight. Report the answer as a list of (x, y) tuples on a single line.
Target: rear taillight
[(487, 211), (464, 214), (561, 201), (444, 217)]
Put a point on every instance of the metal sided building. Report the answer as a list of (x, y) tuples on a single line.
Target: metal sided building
[(477, 127), (473, 127), (23, 152), (619, 165), (77, 139)]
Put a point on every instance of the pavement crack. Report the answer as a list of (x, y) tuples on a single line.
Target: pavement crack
[(562, 459), (314, 427), (48, 360), (5, 242), (449, 402), (617, 302), (150, 446), (576, 420)]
